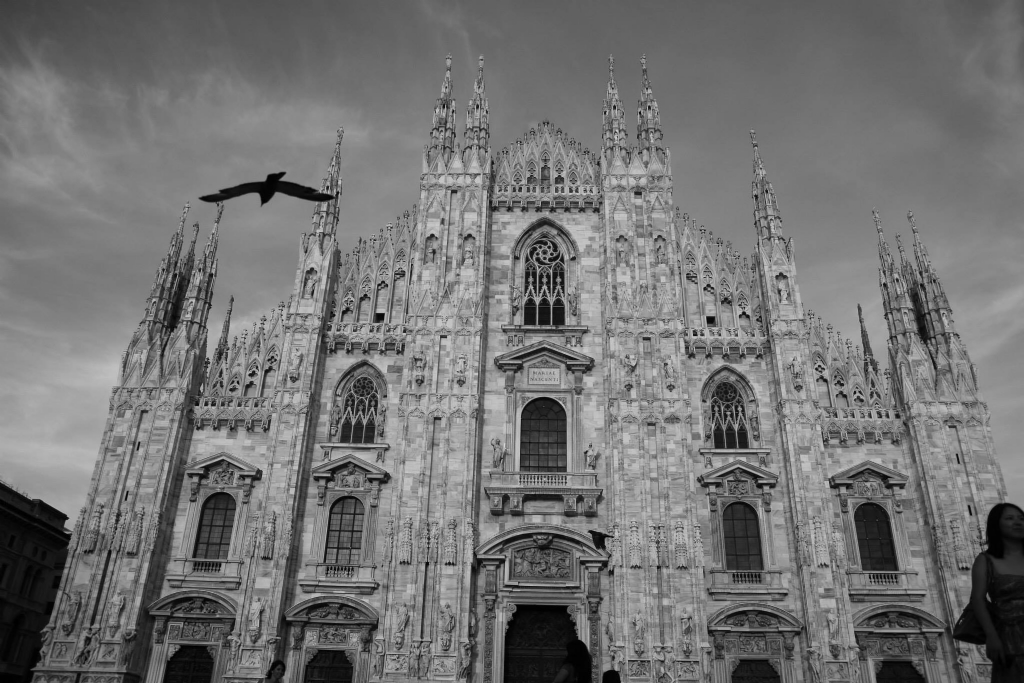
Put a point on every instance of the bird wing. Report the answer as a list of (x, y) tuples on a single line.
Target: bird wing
[(302, 192), (229, 192)]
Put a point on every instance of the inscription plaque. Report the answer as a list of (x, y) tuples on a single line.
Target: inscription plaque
[(550, 376)]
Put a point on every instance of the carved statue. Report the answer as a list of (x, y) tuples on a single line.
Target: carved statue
[(255, 612), (591, 454), (114, 615), (499, 453), (446, 622), (234, 642), (465, 661), (833, 626), (45, 638), (267, 536), (309, 285), (295, 365), (378, 658), (92, 534), (629, 361), (468, 258), (963, 660), (783, 285), (814, 658), (127, 646), (461, 363), (573, 298), (401, 622), (639, 631), (623, 254), (86, 646), (71, 613)]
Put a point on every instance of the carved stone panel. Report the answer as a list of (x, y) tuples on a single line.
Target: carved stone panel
[(541, 563)]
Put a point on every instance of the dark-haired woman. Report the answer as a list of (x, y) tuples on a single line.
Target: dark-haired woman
[(576, 667), (999, 572), (276, 672)]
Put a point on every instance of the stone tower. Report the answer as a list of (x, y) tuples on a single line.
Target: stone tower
[(393, 475)]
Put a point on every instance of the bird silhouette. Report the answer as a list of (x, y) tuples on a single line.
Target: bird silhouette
[(268, 188), (599, 538)]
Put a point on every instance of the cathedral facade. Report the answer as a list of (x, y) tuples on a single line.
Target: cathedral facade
[(395, 474)]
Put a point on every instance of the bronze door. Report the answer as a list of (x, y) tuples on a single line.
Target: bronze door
[(535, 643), (190, 664), (755, 671), (329, 666), (895, 671)]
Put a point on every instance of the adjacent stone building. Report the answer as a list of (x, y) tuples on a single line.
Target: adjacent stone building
[(394, 474), (33, 549)]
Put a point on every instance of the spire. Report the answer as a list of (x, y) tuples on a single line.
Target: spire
[(222, 345), (325, 216), (935, 310), (869, 357), (210, 252), (442, 132), (478, 130), (897, 299), (614, 129), (767, 218), (648, 126)]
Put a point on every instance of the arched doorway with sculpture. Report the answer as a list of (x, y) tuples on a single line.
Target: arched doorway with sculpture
[(330, 639), (194, 640), (541, 588), (899, 642), (754, 642)]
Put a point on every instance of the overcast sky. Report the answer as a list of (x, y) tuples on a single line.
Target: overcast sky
[(114, 114)]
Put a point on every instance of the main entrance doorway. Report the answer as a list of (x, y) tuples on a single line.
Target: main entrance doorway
[(755, 671), (535, 643), (329, 666), (895, 671), (190, 664)]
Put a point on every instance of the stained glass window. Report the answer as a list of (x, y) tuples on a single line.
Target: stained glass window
[(544, 285), (728, 417), (358, 412)]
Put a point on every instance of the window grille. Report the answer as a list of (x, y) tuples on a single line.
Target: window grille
[(874, 539), (742, 536), (345, 532), (544, 437), (544, 286), (215, 524)]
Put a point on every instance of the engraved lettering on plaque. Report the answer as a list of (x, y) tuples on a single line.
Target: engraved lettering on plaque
[(544, 376)]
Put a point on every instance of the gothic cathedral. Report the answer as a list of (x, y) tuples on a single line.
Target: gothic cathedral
[(541, 405)]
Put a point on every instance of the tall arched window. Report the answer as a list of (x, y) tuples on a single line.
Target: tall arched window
[(344, 532), (874, 538), (544, 284), (358, 411), (742, 536), (728, 417), (544, 437), (215, 524)]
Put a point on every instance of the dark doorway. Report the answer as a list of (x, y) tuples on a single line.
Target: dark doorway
[(329, 666), (755, 671), (898, 672), (190, 664), (535, 643)]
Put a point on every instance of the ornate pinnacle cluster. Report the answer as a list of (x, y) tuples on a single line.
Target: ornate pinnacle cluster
[(648, 126), (442, 132), (767, 218), (614, 129), (325, 215), (477, 135)]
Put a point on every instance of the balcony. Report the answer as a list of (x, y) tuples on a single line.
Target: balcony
[(751, 585), (202, 573), (884, 586), (571, 487), (338, 578)]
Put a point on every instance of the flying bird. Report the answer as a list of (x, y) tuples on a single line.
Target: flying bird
[(268, 188), (599, 538)]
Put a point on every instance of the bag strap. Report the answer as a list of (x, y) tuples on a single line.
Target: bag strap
[(991, 571)]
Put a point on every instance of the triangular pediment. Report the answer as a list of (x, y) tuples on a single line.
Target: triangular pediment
[(573, 360), (738, 469), (225, 467), (868, 470), (352, 469)]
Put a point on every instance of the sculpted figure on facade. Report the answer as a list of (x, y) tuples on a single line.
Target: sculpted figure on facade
[(255, 614), (639, 632), (446, 624), (498, 457), (295, 365), (71, 613), (591, 454), (401, 623)]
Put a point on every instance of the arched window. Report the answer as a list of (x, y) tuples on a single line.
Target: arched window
[(215, 523), (742, 536), (544, 284), (344, 532), (874, 538), (544, 437), (728, 417), (358, 408)]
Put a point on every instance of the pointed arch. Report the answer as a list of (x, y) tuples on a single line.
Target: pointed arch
[(357, 415), (730, 410), (544, 276), (270, 367)]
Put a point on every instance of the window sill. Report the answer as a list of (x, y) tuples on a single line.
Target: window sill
[(747, 585), (333, 450), (193, 573), (338, 578), (569, 486), (884, 586), (762, 455)]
